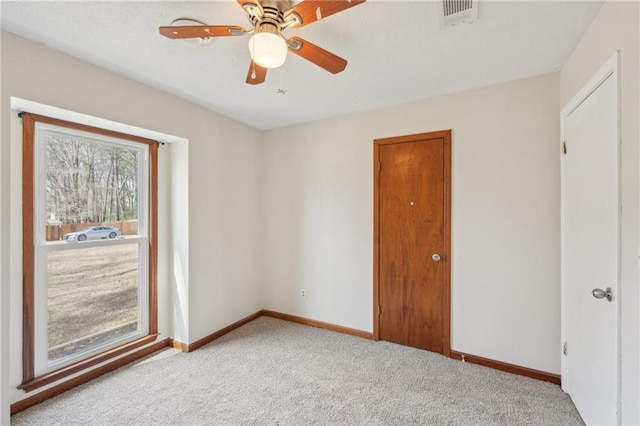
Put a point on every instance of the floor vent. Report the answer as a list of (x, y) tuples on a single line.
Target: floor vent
[(454, 12)]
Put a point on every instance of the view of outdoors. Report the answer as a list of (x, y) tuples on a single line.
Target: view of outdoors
[(92, 291), (92, 297), (90, 182)]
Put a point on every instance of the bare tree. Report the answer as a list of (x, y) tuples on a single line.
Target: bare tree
[(87, 181)]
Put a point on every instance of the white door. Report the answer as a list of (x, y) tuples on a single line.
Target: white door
[(590, 249)]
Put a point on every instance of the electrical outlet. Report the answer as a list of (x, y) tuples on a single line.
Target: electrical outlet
[(303, 294)]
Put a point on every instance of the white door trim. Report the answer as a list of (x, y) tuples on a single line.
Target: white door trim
[(610, 69)]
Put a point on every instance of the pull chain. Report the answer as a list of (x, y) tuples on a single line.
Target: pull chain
[(253, 64)]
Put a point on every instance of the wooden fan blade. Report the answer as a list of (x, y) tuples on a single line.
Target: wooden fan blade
[(259, 76), (201, 31), (243, 2), (322, 58), (310, 11)]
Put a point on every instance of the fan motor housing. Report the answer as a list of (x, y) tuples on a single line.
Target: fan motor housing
[(268, 27), (273, 12)]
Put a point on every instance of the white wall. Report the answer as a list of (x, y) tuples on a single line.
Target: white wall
[(178, 260), (4, 278), (219, 212), (616, 28), (318, 189), (224, 230)]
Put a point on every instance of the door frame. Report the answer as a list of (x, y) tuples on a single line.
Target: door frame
[(446, 257), (610, 69)]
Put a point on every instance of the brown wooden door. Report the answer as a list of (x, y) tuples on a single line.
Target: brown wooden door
[(413, 225)]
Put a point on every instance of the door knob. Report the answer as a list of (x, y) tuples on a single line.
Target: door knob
[(599, 293), (436, 257)]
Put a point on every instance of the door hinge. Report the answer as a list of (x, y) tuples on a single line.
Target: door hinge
[(564, 147), (379, 166), (379, 310), (564, 348)]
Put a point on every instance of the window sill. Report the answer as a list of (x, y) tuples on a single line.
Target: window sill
[(54, 376)]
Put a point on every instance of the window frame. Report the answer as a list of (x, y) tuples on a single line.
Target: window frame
[(31, 232)]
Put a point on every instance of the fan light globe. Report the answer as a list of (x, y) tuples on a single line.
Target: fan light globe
[(267, 49)]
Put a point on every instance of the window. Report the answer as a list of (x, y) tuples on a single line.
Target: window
[(89, 252)]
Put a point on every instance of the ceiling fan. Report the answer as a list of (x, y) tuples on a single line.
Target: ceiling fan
[(268, 46)]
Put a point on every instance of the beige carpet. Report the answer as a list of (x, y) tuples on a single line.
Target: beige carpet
[(274, 372)]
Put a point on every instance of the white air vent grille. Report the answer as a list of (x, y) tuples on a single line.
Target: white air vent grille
[(453, 12), (455, 6)]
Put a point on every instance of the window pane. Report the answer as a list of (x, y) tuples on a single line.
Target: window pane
[(92, 297), (89, 183)]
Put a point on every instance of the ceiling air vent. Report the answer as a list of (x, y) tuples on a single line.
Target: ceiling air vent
[(454, 12)]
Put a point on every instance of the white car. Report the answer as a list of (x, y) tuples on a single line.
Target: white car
[(93, 233)]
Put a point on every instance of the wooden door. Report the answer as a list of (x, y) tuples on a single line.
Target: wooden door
[(412, 239)]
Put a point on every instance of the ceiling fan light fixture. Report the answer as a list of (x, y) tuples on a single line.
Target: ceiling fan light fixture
[(267, 46), (268, 49)]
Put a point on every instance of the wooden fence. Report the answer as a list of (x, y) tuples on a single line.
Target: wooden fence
[(56, 232)]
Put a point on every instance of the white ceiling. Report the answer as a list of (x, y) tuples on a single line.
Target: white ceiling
[(397, 51)]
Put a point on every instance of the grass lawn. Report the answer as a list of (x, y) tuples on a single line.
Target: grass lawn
[(91, 291)]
